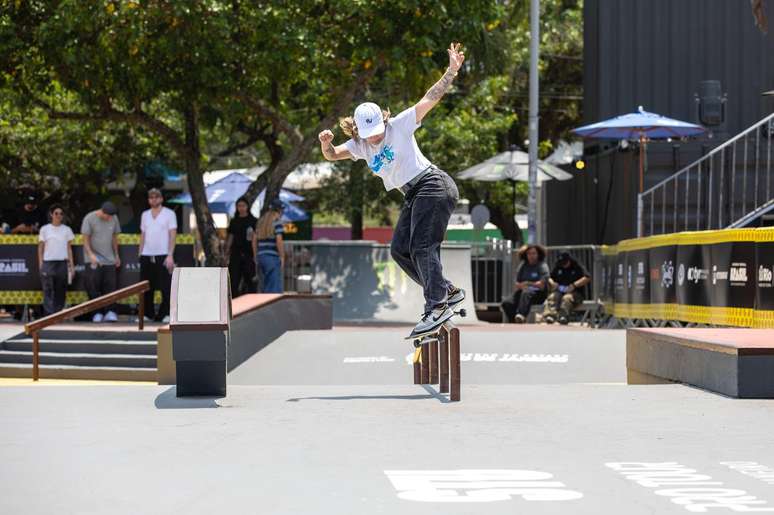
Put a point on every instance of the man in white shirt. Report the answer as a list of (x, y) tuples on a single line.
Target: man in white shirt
[(158, 227)]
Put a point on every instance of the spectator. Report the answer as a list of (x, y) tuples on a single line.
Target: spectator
[(30, 218), (100, 230), (268, 247), (566, 280), (239, 249), (531, 284), (55, 260), (158, 227)]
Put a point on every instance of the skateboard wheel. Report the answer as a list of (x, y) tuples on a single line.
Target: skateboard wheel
[(417, 343), (463, 313)]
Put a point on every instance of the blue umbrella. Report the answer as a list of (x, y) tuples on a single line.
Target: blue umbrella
[(642, 126), (290, 211), (223, 194)]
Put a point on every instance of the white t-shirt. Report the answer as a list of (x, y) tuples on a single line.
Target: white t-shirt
[(156, 231), (397, 159), (55, 238)]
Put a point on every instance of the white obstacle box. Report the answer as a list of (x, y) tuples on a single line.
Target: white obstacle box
[(200, 320)]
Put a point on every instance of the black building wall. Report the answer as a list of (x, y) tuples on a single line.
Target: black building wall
[(654, 53)]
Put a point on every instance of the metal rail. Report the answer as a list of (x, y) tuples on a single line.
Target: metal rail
[(34, 328), (722, 189)]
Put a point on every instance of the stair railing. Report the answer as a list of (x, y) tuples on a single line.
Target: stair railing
[(716, 191), (34, 328)]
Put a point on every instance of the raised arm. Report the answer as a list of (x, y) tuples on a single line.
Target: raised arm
[(331, 152), (439, 89)]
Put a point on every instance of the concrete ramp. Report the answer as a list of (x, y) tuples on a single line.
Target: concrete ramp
[(368, 286)]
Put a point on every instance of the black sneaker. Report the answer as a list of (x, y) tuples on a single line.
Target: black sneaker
[(456, 296)]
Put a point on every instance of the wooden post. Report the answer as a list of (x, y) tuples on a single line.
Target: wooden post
[(443, 354), (35, 356), (454, 366), (141, 312), (433, 362), (425, 365)]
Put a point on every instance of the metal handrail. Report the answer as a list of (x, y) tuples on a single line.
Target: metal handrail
[(34, 328), (698, 199), (710, 154)]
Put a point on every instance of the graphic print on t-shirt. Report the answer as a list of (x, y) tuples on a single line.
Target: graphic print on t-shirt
[(382, 158)]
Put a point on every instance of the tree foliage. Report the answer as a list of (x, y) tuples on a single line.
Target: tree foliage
[(244, 72)]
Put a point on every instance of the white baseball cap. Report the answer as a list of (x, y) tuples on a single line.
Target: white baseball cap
[(369, 120)]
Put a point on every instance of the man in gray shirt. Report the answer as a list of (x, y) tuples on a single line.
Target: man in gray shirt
[(100, 231)]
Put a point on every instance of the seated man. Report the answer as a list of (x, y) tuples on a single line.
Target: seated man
[(531, 285), (566, 280)]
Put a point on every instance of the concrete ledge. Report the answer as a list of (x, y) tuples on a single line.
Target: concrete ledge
[(258, 320), (733, 362)]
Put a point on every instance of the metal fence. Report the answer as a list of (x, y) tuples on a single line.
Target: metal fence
[(729, 187), (493, 263), (492, 269)]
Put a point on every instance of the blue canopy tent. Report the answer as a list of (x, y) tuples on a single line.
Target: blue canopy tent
[(223, 194), (641, 126)]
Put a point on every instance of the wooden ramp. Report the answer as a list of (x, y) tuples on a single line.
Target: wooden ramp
[(733, 362)]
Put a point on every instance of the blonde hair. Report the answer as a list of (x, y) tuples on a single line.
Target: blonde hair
[(350, 128), (265, 227)]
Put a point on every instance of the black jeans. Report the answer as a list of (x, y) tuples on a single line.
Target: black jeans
[(521, 303), (53, 278), (152, 269), (101, 280), (241, 267), (421, 227)]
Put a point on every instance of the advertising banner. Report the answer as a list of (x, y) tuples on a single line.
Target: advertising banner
[(692, 276), (638, 280), (764, 275), (663, 279), (620, 289), (20, 276)]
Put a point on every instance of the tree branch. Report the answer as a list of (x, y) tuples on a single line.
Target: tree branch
[(268, 112), (107, 112)]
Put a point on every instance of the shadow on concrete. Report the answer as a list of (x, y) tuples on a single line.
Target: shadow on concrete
[(363, 398), (431, 394), (168, 399)]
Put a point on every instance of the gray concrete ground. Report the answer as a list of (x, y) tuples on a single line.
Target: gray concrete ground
[(304, 430)]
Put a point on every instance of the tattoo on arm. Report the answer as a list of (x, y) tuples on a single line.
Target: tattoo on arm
[(329, 150), (439, 88)]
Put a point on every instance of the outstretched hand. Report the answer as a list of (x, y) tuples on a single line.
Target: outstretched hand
[(456, 57)]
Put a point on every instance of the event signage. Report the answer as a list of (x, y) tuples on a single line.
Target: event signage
[(764, 276), (663, 276), (718, 277), (19, 270), (692, 276)]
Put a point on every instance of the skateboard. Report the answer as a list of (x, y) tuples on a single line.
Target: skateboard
[(432, 336)]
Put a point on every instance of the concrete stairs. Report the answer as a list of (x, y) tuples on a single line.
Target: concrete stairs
[(120, 355)]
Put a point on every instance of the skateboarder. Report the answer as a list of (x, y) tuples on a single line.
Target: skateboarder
[(388, 145)]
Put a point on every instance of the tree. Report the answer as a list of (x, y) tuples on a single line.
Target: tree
[(185, 71), (71, 161)]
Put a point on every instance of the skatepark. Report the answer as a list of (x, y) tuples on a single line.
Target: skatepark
[(460, 257), (329, 421)]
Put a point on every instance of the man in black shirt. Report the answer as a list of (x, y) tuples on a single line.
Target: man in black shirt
[(530, 284), (239, 249), (566, 280), (30, 218)]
